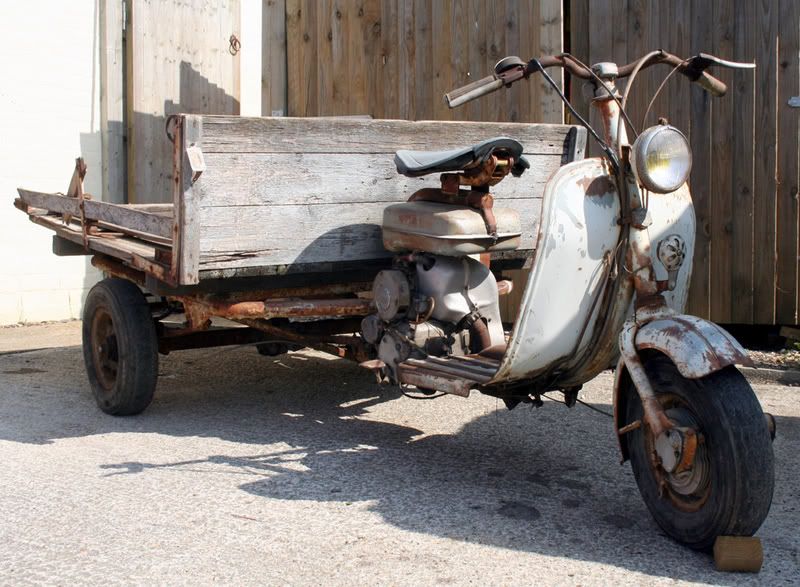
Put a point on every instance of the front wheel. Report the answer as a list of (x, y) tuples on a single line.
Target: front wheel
[(728, 491)]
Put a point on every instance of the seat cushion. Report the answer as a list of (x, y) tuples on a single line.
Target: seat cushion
[(417, 163)]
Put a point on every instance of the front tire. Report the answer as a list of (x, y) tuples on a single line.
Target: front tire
[(728, 491), (120, 347)]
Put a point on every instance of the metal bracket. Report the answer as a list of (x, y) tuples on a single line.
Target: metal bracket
[(197, 161)]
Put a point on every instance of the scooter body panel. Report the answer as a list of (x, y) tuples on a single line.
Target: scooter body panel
[(578, 235)]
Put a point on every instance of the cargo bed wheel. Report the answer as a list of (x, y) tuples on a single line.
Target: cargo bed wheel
[(728, 491), (120, 347)]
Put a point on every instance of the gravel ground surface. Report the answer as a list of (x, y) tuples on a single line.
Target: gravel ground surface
[(788, 359), (301, 470)]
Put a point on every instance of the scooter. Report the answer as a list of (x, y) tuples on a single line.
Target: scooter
[(608, 286)]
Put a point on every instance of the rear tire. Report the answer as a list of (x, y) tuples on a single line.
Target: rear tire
[(120, 347), (728, 492)]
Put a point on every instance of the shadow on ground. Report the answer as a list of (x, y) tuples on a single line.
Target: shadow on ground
[(546, 481)]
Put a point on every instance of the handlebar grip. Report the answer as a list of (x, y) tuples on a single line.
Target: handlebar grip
[(476, 89), (711, 84)]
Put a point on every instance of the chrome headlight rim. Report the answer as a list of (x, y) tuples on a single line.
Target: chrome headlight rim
[(647, 177)]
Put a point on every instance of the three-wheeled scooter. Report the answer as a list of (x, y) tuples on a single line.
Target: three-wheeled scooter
[(608, 283)]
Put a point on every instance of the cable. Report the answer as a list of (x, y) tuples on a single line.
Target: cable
[(591, 407), (661, 87), (606, 149), (605, 87), (598, 410)]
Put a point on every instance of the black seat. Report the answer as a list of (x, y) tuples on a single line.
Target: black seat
[(416, 163)]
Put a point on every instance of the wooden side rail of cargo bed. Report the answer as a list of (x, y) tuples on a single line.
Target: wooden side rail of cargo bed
[(270, 196)]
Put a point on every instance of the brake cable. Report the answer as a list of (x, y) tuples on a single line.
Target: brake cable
[(606, 149), (639, 65), (606, 87), (661, 87)]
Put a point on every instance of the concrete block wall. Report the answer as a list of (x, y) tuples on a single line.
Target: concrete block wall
[(49, 115)]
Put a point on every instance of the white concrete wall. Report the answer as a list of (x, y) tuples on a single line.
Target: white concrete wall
[(49, 115)]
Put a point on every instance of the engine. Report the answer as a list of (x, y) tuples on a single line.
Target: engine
[(433, 305)]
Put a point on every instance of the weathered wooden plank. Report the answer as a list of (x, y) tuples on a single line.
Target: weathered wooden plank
[(407, 61), (273, 58), (112, 101), (721, 181), (397, 48), (550, 22), (742, 98), (124, 216), (700, 181), (296, 77), (242, 236), (368, 33), (179, 62), (313, 135), (248, 179), (121, 247), (788, 152), (188, 195), (423, 80), (766, 121)]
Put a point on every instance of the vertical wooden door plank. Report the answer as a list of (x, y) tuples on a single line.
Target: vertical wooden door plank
[(551, 42), (295, 79), (340, 68), (372, 23), (478, 61), (700, 181), (186, 68), (112, 101), (721, 174), (579, 46), (442, 82), (765, 29), (742, 98), (459, 53), (787, 192), (274, 81), (407, 61), (397, 36), (324, 66), (424, 56)]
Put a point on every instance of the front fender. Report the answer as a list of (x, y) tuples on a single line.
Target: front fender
[(697, 347)]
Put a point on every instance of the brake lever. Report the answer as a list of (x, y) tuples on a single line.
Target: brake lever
[(702, 61)]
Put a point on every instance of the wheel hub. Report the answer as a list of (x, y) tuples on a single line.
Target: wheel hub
[(105, 351), (681, 459)]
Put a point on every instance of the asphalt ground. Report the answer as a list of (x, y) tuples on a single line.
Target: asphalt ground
[(301, 470)]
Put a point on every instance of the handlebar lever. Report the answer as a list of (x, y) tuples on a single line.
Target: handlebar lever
[(506, 73)]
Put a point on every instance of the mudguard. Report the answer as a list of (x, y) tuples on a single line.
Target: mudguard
[(697, 347)]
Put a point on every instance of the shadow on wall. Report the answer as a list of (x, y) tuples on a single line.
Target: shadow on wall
[(150, 161)]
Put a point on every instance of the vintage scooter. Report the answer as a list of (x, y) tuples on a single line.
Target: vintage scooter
[(608, 284)]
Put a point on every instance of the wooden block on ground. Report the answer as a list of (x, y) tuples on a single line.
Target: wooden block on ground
[(740, 554)]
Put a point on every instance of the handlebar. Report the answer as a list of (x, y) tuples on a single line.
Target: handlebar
[(509, 70)]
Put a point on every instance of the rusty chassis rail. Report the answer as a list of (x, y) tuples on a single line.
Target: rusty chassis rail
[(322, 322)]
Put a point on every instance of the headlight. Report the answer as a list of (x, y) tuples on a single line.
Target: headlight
[(662, 159)]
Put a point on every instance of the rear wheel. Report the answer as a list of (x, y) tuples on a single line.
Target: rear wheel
[(120, 347), (728, 490)]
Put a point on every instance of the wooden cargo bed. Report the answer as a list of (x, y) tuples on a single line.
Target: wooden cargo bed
[(272, 196)]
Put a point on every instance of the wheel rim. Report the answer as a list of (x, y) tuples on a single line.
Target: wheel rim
[(105, 350), (687, 490)]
